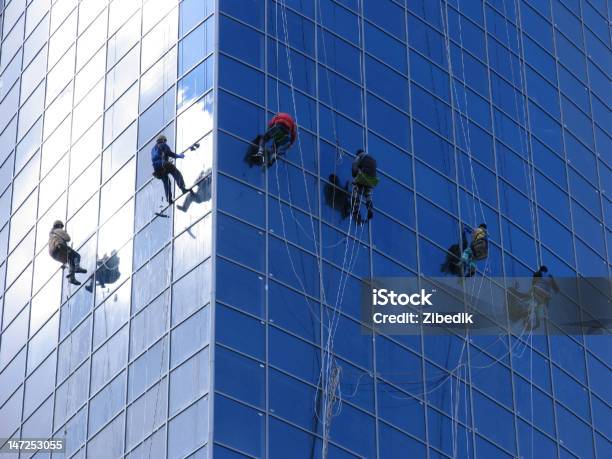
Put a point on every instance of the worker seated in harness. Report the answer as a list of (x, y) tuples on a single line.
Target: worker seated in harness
[(476, 251), (364, 171), (62, 252), (282, 131)]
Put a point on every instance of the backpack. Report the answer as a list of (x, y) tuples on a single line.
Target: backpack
[(368, 165), (480, 248)]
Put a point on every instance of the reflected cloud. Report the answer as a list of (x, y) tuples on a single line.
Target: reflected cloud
[(193, 123)]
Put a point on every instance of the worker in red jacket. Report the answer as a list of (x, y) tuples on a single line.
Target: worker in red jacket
[(282, 131)]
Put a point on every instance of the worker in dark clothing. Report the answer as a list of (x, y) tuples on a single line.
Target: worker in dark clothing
[(62, 252), (478, 249), (162, 167), (543, 286), (283, 133), (364, 180), (337, 196)]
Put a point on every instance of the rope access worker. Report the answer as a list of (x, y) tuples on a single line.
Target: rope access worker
[(62, 252), (283, 133), (476, 251), (162, 167), (543, 286), (364, 180)]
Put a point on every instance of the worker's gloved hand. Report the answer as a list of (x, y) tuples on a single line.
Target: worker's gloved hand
[(180, 155)]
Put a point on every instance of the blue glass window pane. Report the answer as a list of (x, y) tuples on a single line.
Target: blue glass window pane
[(293, 28), (437, 188), (196, 46), (355, 344), (356, 430), (195, 83), (239, 426), (542, 416), (580, 124), (387, 15), (241, 79), (249, 11), (239, 117), (386, 83), (466, 33), (431, 111), (241, 200), (249, 297), (345, 23), (188, 430), (241, 41), (555, 236), (494, 422), (240, 331), (571, 57), (240, 377), (345, 96), (292, 311), (426, 40), (401, 409), (341, 56), (386, 48), (429, 75), (302, 70), (192, 12), (286, 440), (293, 355), (281, 256), (292, 400), (393, 443), (575, 434), (241, 242), (389, 122), (394, 240), (293, 225)]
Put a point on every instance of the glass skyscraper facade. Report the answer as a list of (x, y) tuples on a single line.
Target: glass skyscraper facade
[(229, 326)]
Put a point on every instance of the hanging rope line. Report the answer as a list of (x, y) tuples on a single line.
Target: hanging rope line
[(523, 129), (330, 376), (327, 399), (530, 177)]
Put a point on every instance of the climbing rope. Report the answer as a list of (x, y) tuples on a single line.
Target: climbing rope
[(329, 387)]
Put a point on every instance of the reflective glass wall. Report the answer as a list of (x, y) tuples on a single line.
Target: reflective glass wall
[(119, 365), (492, 111)]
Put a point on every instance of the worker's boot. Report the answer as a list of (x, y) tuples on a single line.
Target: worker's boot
[(72, 279)]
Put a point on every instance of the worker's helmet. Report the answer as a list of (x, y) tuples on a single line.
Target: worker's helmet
[(58, 224), (544, 269), (360, 151), (483, 225), (161, 138)]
